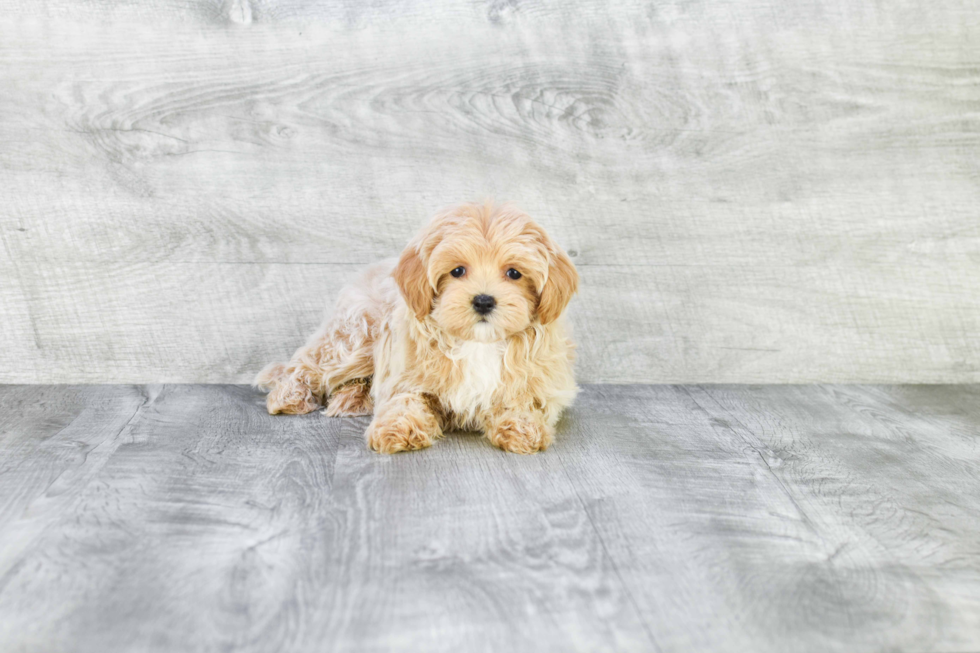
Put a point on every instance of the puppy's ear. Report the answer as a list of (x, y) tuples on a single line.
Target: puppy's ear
[(412, 280), (558, 290)]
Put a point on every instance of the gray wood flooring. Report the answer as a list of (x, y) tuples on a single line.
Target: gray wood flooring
[(665, 518)]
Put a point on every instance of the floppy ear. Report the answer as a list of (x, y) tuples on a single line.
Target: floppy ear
[(558, 290), (412, 280)]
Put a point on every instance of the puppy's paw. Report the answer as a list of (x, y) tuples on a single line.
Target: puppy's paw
[(289, 392), (291, 398), (402, 432), (403, 423), (352, 400), (392, 438), (519, 434)]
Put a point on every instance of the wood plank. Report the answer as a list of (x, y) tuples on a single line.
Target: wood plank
[(671, 518), (217, 526), (892, 488), (748, 184), (54, 440)]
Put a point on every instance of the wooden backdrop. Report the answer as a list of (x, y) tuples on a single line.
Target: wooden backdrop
[(753, 190)]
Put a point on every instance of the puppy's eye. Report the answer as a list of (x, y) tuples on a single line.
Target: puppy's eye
[(513, 274), (458, 272)]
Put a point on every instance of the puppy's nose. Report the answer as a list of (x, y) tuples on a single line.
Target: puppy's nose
[(483, 304)]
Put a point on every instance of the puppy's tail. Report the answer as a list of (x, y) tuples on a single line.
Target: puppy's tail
[(290, 389)]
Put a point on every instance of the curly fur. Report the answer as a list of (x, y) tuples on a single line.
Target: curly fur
[(408, 330)]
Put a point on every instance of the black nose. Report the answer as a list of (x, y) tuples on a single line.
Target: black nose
[(483, 304)]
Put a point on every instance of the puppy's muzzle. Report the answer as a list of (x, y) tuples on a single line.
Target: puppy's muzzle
[(483, 304)]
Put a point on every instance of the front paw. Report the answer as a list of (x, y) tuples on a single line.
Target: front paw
[(520, 434), (404, 432)]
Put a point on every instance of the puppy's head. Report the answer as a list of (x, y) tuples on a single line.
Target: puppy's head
[(484, 273)]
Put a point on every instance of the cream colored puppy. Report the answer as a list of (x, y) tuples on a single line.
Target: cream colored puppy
[(464, 331)]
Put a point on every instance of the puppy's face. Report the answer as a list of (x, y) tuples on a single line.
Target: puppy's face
[(484, 274), (482, 294)]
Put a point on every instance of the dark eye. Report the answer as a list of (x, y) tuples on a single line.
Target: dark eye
[(458, 272), (513, 274)]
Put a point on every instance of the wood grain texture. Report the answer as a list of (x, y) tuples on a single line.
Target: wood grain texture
[(753, 192), (668, 518)]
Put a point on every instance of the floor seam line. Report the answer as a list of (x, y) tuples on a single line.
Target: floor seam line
[(612, 561)]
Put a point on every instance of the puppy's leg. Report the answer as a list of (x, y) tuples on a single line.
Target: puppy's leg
[(405, 422), (352, 399), (290, 387), (519, 431), (340, 352)]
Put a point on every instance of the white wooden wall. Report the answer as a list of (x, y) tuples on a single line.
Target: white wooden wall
[(753, 190)]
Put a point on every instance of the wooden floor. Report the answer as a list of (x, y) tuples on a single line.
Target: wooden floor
[(665, 518)]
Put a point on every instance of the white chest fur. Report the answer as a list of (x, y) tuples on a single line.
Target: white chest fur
[(479, 363)]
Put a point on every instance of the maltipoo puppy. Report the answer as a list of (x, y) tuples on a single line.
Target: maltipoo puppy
[(464, 331)]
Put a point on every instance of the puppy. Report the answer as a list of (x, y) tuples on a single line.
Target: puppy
[(464, 331)]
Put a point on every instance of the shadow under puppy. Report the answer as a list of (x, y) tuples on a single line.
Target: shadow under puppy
[(464, 331)]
